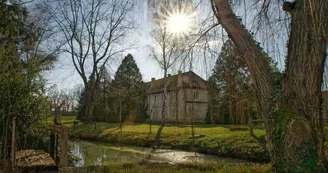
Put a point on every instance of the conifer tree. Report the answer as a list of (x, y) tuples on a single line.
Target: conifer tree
[(230, 87), (128, 88)]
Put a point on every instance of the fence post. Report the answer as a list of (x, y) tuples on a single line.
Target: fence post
[(52, 145), (64, 148), (250, 123), (13, 144)]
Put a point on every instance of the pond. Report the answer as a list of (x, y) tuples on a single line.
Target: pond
[(87, 153)]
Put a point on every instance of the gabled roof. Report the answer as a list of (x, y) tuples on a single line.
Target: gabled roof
[(157, 86)]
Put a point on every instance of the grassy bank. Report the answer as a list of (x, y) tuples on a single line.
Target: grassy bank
[(179, 168), (65, 120), (231, 141)]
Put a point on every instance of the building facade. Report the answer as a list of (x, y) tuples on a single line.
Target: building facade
[(187, 98)]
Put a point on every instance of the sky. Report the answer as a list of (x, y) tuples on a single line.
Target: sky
[(65, 77)]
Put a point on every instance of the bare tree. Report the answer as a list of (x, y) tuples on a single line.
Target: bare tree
[(93, 31), (168, 48), (293, 122)]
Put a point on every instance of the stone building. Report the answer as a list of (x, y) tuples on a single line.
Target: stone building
[(187, 97)]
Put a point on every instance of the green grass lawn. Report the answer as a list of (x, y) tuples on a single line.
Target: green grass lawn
[(224, 140), (65, 120)]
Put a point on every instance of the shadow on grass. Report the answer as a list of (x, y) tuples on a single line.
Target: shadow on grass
[(158, 136), (109, 132)]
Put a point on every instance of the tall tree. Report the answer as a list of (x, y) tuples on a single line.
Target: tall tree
[(92, 31), (129, 88), (231, 86), (293, 122), (103, 108), (169, 46)]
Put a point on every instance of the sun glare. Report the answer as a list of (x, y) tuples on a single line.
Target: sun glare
[(179, 23)]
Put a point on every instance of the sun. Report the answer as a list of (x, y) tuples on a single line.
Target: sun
[(179, 23)]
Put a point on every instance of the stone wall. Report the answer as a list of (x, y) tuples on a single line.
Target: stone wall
[(179, 105)]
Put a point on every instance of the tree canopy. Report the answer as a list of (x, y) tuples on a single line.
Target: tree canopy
[(129, 87)]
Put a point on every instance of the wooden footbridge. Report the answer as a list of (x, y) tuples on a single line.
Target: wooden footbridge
[(41, 161)]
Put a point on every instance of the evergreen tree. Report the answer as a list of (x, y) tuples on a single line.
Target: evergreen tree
[(103, 102), (80, 105), (128, 88), (232, 100)]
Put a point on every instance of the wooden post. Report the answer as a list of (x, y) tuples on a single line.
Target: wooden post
[(64, 147), (74, 125), (250, 123), (13, 144), (63, 131), (150, 117), (192, 119), (52, 145), (121, 114)]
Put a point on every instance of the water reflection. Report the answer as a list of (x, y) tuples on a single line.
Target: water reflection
[(86, 153)]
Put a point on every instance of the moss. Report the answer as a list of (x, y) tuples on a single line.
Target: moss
[(283, 117), (301, 156), (307, 153)]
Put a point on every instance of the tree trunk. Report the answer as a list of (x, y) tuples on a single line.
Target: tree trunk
[(255, 59), (165, 82), (295, 130), (301, 100), (89, 103), (231, 99)]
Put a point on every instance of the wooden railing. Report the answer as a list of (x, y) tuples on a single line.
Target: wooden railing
[(63, 132)]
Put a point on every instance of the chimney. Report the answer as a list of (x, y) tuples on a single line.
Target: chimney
[(152, 82), (179, 83), (168, 75)]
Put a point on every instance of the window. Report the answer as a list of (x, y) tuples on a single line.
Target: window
[(194, 84), (155, 99), (195, 95)]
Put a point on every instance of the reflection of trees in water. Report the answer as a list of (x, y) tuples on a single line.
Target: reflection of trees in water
[(76, 155)]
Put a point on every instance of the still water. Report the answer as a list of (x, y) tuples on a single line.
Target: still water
[(86, 153)]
